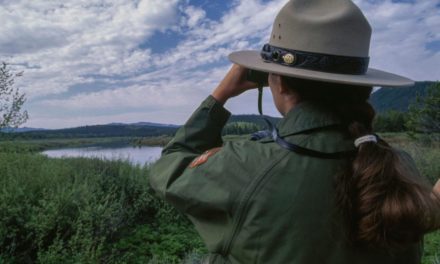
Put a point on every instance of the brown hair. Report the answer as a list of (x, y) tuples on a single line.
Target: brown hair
[(381, 196)]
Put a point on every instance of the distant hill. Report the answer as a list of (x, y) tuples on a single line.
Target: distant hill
[(144, 124), (397, 99), (110, 130), (140, 129), (20, 129)]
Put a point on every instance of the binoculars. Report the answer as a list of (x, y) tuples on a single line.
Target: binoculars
[(258, 77)]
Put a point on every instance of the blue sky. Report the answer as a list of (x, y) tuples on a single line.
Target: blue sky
[(98, 61)]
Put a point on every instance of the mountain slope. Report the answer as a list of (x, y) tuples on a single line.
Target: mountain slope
[(397, 99), (20, 129)]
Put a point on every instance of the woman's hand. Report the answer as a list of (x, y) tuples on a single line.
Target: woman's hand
[(233, 84)]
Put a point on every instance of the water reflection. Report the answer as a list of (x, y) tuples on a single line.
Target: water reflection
[(136, 155)]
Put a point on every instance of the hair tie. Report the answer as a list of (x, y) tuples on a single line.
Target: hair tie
[(366, 138)]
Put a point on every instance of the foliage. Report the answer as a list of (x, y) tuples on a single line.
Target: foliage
[(390, 121), (256, 119), (432, 248), (241, 128), (426, 156), (85, 211), (11, 99), (38, 145), (151, 141), (424, 114), (397, 99), (93, 211), (167, 243), (97, 131)]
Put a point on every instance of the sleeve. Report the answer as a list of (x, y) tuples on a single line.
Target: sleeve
[(199, 192), (200, 133)]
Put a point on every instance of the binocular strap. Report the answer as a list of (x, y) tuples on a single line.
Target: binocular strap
[(273, 133)]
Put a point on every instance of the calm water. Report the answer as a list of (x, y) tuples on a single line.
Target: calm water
[(136, 155)]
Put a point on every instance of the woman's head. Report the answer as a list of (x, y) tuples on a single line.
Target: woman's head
[(342, 98)]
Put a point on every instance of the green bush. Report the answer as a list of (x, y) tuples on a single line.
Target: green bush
[(168, 243), (390, 121), (78, 210), (432, 248), (424, 114), (241, 128)]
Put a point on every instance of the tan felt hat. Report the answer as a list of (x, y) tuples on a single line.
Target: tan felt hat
[(323, 40)]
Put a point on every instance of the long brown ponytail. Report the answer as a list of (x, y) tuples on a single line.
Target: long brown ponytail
[(383, 199)]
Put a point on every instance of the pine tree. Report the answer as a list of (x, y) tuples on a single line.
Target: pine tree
[(424, 114)]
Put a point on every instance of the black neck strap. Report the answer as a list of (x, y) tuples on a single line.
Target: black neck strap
[(305, 151), (273, 133), (315, 61)]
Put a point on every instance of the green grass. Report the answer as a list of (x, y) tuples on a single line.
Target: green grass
[(38, 145), (425, 152), (78, 210), (432, 248)]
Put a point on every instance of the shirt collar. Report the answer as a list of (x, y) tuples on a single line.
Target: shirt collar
[(306, 116)]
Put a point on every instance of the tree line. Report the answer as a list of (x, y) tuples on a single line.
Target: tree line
[(423, 116)]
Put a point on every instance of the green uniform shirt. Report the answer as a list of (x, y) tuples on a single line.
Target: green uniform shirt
[(255, 202)]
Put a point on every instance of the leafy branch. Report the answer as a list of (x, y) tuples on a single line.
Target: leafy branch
[(11, 99)]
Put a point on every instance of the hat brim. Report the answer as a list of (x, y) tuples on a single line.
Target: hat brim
[(251, 59)]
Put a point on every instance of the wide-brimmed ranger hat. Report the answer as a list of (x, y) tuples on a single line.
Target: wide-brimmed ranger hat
[(322, 40)]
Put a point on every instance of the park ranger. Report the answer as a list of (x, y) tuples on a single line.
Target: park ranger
[(320, 187)]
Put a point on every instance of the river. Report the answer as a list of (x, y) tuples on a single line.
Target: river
[(136, 155)]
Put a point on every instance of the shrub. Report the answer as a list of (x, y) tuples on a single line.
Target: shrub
[(390, 121), (78, 210), (424, 114)]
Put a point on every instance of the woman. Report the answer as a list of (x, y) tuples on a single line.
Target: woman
[(322, 188)]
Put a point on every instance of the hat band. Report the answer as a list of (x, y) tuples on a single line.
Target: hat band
[(315, 61)]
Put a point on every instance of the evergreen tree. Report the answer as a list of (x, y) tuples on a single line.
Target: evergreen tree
[(424, 114), (390, 121)]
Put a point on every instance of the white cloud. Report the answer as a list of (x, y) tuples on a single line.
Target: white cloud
[(68, 40), (178, 77), (248, 19), (193, 16), (67, 43), (400, 34)]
